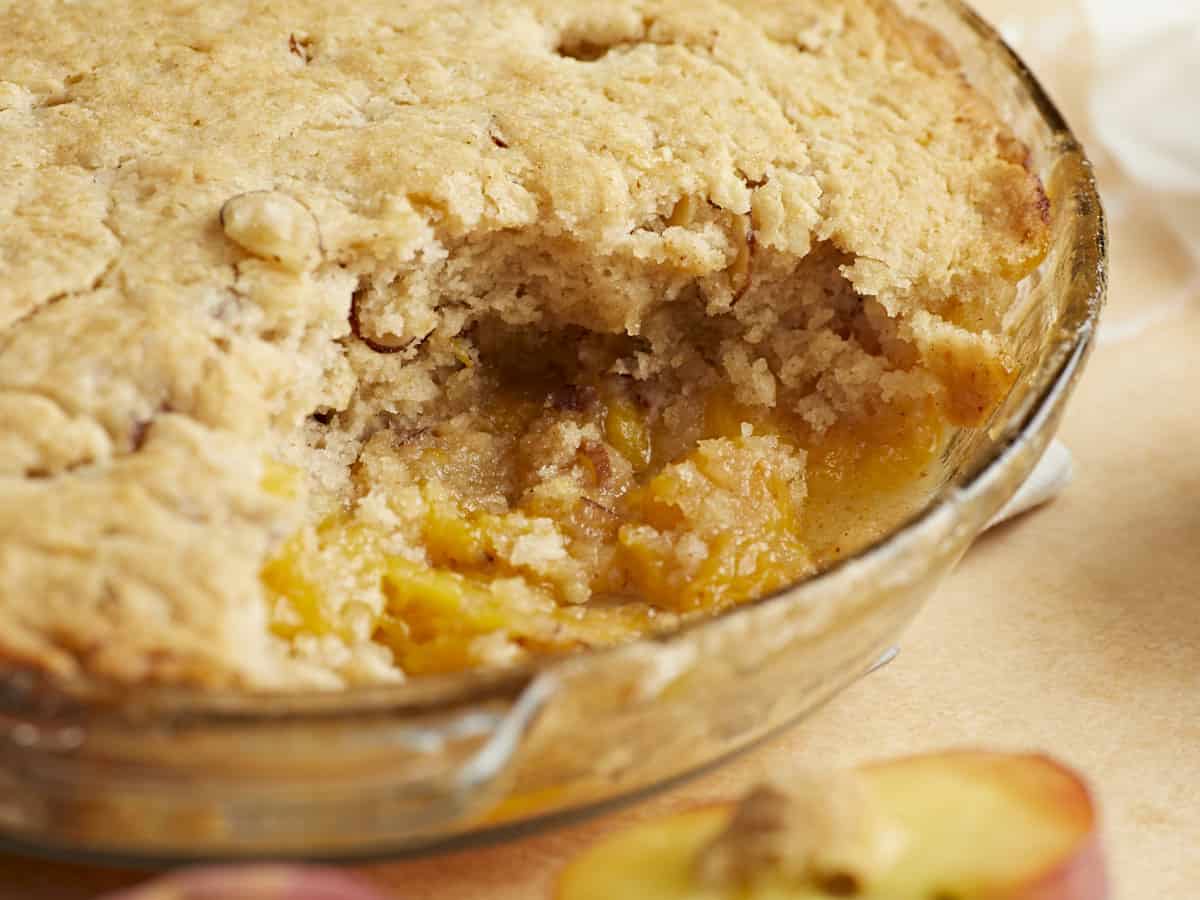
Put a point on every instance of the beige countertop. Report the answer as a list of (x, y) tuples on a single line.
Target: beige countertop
[(1075, 629)]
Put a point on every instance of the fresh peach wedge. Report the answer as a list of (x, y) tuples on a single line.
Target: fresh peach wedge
[(951, 826), (253, 882)]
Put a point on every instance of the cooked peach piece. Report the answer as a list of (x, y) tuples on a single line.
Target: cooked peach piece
[(948, 826)]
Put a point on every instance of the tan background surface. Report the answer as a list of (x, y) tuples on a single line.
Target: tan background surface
[(1074, 630)]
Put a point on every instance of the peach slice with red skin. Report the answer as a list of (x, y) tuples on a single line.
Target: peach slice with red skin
[(967, 825), (254, 882)]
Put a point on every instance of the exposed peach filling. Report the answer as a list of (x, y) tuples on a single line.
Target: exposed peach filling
[(544, 516)]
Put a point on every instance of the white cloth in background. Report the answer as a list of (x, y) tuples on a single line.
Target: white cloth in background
[(1145, 100)]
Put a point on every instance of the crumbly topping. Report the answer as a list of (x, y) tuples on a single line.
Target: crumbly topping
[(237, 233)]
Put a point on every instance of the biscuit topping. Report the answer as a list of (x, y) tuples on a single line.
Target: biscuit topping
[(346, 342)]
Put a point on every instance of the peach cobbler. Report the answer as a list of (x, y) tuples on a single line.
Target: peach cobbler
[(343, 341)]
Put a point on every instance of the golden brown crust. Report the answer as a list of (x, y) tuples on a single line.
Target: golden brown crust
[(388, 174)]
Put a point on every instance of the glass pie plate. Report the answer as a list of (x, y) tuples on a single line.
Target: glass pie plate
[(159, 775)]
